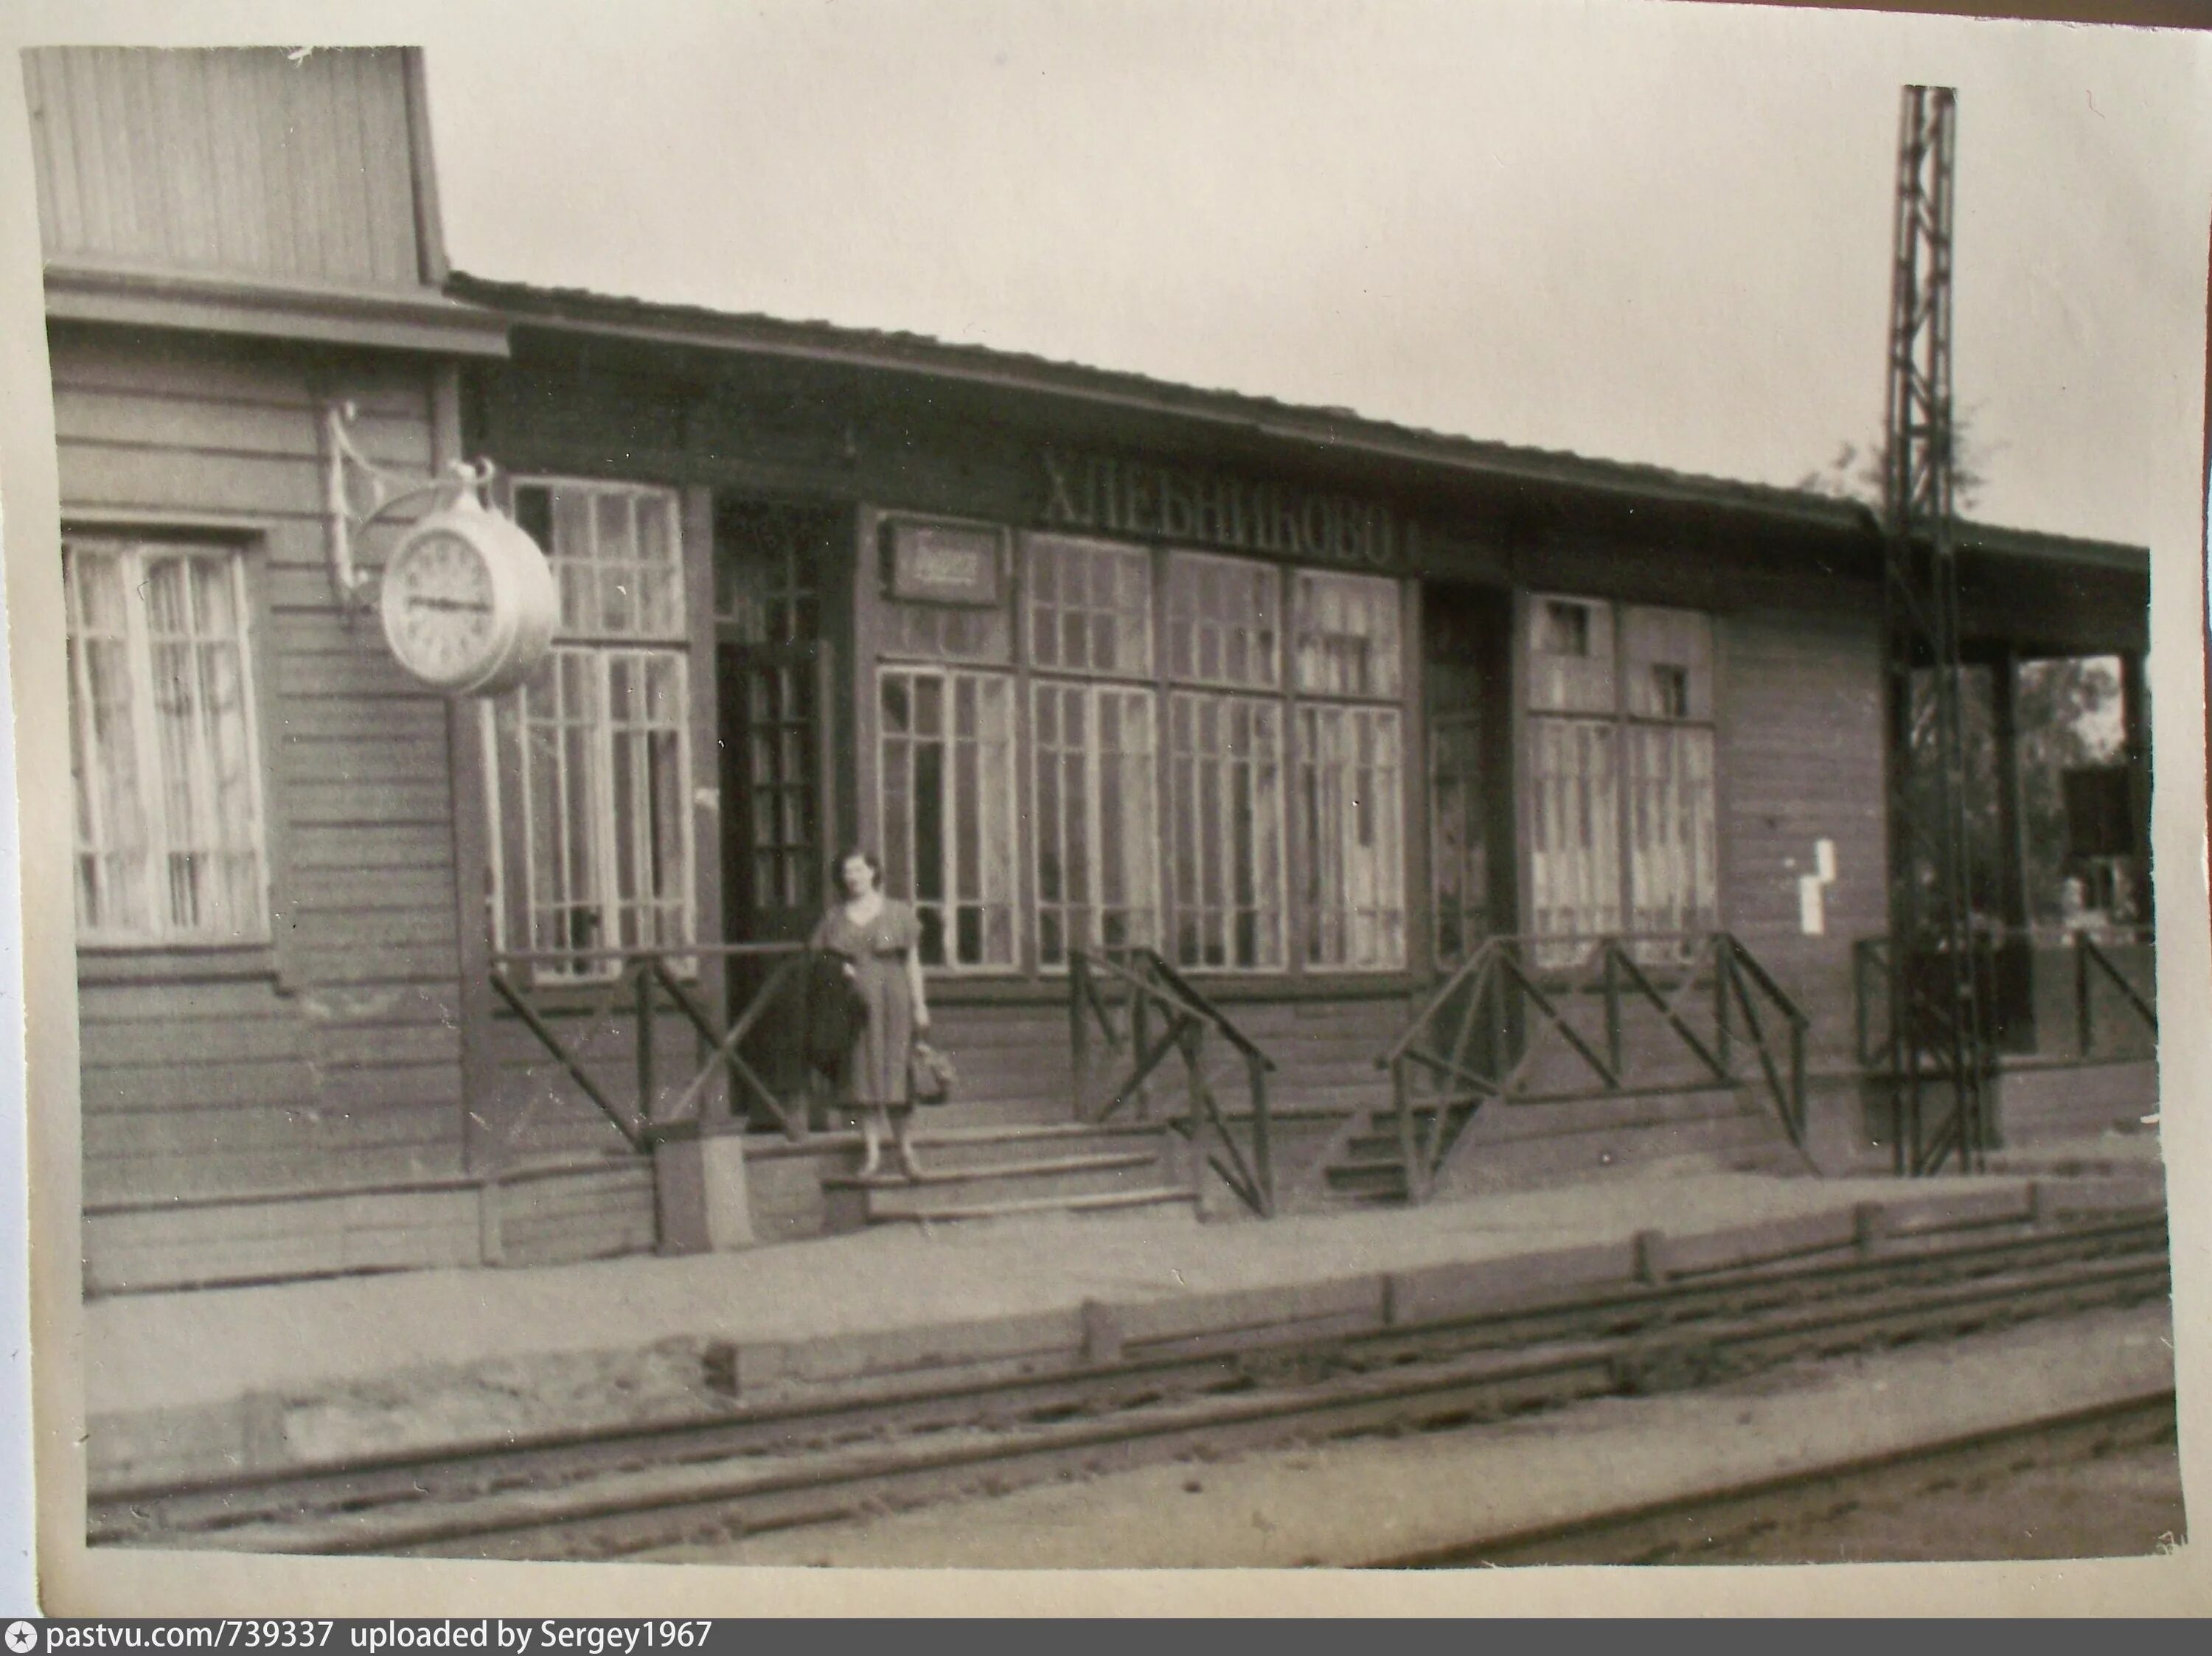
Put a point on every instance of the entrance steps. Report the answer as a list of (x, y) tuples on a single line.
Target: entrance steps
[(1532, 1143), (989, 1172)]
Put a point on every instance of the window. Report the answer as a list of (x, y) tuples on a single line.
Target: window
[(1350, 774), (1225, 778), (1223, 626), (164, 755), (591, 765), (1347, 635), (1187, 722), (1097, 832), (1621, 772), (1090, 607), (1350, 794), (947, 780)]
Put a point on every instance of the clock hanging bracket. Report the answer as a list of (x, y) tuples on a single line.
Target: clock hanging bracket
[(359, 494)]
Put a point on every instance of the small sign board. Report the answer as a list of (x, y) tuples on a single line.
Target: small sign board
[(944, 563)]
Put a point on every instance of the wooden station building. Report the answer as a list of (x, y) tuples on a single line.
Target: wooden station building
[(1312, 714)]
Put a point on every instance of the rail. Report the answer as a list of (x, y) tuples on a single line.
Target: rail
[(634, 986), (1118, 999), (1872, 960), (1479, 1039)]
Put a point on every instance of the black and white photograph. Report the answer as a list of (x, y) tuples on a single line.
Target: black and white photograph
[(1110, 786)]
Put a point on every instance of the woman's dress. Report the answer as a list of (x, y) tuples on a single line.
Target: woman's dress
[(875, 1073)]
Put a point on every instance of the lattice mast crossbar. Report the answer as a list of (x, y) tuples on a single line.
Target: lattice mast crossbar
[(1940, 1056)]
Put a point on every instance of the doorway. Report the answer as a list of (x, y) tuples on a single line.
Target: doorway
[(777, 723), (1467, 674)]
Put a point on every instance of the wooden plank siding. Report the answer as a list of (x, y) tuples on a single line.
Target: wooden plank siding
[(243, 161), (1801, 761), (339, 1064)]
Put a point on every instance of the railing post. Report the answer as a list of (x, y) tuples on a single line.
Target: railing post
[(1263, 1160), (1859, 953), (1797, 1078), (1401, 1099), (2085, 1022), (1612, 1033), (1140, 1042), (645, 1075), (1079, 1036), (1723, 986)]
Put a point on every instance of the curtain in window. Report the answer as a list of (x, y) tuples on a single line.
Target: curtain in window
[(1350, 794), (164, 760), (1574, 852), (1672, 857)]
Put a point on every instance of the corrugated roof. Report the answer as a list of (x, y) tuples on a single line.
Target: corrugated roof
[(577, 309)]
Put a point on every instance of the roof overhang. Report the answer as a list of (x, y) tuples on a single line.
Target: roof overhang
[(423, 319), (582, 316)]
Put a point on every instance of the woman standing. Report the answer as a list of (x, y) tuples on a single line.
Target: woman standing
[(880, 942)]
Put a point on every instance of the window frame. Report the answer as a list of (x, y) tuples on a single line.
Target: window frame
[(510, 902), (167, 954), (1029, 974), (1021, 953), (1621, 722)]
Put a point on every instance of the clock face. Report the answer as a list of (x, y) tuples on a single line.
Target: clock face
[(439, 607)]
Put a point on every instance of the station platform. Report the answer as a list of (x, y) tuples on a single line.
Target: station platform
[(223, 1382)]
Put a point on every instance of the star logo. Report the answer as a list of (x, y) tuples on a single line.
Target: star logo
[(23, 1638)]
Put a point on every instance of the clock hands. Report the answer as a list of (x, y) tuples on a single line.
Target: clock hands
[(472, 606)]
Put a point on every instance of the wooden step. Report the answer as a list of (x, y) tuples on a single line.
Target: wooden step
[(1160, 1196), (935, 1174), (1356, 1177)]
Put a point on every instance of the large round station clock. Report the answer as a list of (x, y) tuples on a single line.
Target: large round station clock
[(468, 602)]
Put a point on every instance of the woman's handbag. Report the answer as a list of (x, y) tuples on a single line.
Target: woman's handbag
[(930, 1074)]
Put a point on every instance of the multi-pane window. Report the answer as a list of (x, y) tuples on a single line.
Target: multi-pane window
[(946, 758), (1226, 846), (1096, 775), (1621, 771), (1347, 636), (1097, 829), (162, 744), (1188, 721), (591, 763), (1673, 860), (1090, 607), (1350, 789), (1224, 620), (1346, 643)]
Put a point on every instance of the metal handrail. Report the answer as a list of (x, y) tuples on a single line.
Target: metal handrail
[(645, 978), (1607, 967), (1190, 1018), (1874, 958)]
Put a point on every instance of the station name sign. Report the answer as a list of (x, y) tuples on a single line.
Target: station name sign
[(944, 563), (1135, 497)]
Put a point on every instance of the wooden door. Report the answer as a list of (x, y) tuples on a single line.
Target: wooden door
[(1468, 709), (776, 752)]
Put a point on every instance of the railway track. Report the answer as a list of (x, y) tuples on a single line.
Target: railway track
[(629, 1491), (1764, 1512)]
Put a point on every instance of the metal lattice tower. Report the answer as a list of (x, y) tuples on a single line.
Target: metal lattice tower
[(1940, 1051)]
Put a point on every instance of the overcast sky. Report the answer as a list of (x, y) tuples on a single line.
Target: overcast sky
[(1653, 232), (1646, 231)]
